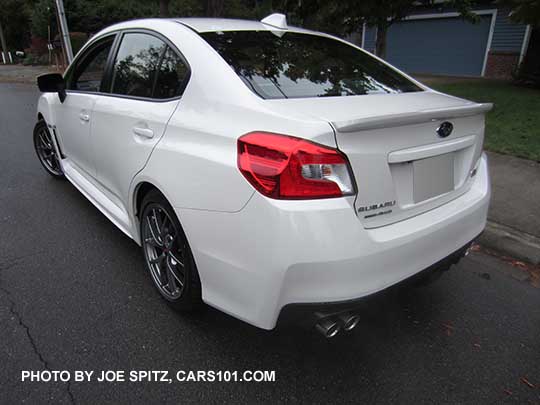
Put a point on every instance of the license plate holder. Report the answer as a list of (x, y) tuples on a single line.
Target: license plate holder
[(433, 176)]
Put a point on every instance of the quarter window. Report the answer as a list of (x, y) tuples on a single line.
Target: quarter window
[(89, 72)]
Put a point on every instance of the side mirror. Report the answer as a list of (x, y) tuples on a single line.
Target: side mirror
[(52, 83)]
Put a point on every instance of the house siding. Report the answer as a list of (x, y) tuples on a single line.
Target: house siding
[(370, 38), (507, 36)]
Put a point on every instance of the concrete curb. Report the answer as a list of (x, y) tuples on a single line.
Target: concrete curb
[(511, 242)]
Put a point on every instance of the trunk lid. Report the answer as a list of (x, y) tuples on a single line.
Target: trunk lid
[(402, 167)]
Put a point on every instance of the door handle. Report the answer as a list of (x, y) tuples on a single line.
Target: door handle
[(143, 132), (84, 117)]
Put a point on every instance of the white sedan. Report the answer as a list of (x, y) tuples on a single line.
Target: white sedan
[(266, 170)]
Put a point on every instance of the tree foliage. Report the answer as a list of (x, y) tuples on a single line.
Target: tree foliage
[(343, 17), (14, 19), (22, 19), (524, 11)]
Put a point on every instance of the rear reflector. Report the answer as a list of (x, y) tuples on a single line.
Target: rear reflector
[(285, 167)]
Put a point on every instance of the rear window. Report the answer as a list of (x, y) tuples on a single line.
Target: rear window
[(296, 65)]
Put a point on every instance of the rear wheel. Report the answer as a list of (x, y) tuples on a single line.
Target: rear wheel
[(167, 254), (44, 146)]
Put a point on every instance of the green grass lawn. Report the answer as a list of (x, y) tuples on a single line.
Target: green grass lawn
[(513, 126)]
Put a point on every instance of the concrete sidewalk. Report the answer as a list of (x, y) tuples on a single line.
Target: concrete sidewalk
[(514, 215)]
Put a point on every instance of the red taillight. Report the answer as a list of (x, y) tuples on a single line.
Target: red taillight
[(285, 167)]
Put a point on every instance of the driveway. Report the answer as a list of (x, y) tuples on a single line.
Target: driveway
[(22, 74)]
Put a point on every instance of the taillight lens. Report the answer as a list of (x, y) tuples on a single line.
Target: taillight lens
[(285, 167)]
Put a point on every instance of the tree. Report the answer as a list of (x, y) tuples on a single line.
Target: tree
[(14, 20), (346, 16), (213, 8), (524, 11), (527, 12), (164, 8), (41, 17)]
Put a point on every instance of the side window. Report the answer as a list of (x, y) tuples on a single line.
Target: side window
[(89, 72), (171, 76), (136, 64)]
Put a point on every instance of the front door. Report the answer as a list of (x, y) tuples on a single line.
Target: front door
[(148, 78), (74, 115), (73, 129)]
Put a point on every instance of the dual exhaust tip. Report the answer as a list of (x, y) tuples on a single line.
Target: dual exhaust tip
[(330, 326)]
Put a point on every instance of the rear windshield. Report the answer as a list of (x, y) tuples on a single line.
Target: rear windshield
[(297, 65)]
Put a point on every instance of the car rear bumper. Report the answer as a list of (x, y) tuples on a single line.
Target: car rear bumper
[(274, 253), (310, 313)]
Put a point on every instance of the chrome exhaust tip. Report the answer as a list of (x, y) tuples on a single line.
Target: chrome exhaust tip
[(349, 321), (329, 327)]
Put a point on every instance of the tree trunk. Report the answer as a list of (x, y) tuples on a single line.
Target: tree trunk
[(213, 8), (380, 44), (164, 8)]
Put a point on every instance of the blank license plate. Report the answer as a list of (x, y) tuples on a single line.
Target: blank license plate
[(433, 176)]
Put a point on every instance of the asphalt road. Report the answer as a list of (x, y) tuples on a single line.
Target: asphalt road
[(74, 295)]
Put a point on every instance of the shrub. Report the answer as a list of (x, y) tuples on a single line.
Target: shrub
[(43, 59), (30, 59)]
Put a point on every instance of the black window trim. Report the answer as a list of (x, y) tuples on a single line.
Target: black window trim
[(82, 58), (107, 77)]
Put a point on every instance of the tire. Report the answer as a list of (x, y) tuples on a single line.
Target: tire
[(167, 254), (44, 147)]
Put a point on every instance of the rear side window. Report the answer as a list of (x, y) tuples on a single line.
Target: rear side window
[(136, 65), (145, 66), (89, 72), (303, 65)]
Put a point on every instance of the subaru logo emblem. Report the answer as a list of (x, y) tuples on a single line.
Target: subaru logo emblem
[(445, 129)]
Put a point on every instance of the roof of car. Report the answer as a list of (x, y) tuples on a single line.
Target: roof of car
[(229, 24)]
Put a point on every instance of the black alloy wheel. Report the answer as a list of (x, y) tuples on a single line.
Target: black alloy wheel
[(44, 146)]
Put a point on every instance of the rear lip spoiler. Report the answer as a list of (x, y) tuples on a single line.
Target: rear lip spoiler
[(410, 118)]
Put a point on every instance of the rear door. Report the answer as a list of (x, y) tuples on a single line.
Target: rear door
[(147, 79), (74, 115)]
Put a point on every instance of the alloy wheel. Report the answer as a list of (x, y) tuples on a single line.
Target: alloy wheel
[(46, 152), (164, 249)]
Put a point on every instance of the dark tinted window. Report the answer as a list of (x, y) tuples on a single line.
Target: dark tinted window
[(136, 64), (303, 65), (171, 76), (89, 72)]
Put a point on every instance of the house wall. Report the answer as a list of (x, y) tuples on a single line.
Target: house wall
[(507, 43), (370, 37), (505, 51)]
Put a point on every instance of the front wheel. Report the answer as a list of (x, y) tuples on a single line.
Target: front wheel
[(43, 144), (167, 254)]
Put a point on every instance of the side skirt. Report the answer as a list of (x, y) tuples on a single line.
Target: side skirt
[(117, 215)]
